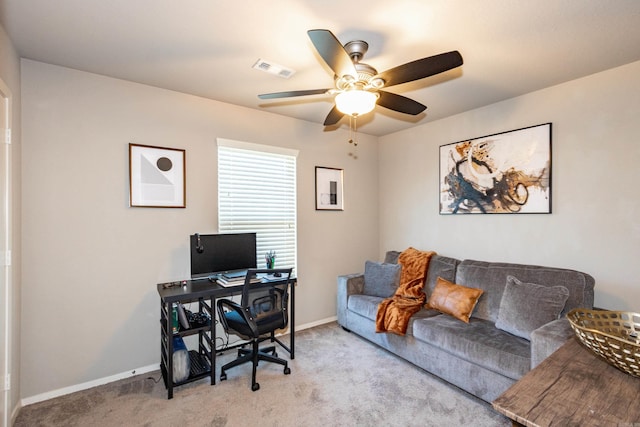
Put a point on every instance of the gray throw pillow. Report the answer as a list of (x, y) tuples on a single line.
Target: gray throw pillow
[(381, 279), (527, 306)]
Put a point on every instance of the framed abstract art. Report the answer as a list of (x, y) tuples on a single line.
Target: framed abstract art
[(508, 172)]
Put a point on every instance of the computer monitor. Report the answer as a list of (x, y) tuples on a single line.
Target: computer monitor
[(215, 253)]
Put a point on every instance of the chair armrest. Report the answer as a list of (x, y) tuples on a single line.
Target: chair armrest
[(231, 306), (350, 284), (548, 338), (237, 308)]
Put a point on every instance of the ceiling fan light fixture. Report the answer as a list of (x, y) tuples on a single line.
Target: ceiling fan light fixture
[(356, 102)]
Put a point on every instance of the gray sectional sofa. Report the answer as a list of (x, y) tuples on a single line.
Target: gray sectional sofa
[(478, 356)]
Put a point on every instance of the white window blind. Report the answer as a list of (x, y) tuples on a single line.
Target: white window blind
[(257, 193)]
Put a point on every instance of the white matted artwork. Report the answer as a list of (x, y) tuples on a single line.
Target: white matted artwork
[(156, 177), (507, 172), (329, 189)]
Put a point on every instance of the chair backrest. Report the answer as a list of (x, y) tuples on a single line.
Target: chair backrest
[(269, 297)]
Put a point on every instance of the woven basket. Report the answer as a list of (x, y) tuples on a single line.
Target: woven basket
[(612, 335)]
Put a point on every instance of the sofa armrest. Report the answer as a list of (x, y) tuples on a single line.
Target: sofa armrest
[(548, 338), (349, 284)]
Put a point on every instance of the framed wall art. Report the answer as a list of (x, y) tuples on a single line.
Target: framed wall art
[(329, 189), (156, 177), (508, 172)]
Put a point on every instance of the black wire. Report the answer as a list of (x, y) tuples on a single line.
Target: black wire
[(155, 380)]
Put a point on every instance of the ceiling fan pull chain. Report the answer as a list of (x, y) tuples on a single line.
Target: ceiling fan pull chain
[(351, 133), (353, 130)]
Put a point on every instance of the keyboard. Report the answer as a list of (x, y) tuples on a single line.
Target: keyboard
[(199, 364)]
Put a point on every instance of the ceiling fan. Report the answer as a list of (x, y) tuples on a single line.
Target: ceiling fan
[(358, 86)]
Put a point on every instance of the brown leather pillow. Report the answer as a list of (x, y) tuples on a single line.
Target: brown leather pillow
[(455, 300)]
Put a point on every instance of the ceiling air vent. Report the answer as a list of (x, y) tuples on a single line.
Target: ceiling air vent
[(273, 68)]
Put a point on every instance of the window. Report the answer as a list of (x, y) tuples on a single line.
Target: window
[(257, 193)]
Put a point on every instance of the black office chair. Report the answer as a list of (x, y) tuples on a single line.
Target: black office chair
[(261, 312)]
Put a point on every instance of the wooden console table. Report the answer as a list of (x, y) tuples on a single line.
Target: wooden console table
[(572, 387)]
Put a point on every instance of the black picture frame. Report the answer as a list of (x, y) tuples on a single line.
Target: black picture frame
[(329, 189), (157, 177)]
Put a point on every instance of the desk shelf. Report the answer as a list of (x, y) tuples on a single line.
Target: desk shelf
[(200, 359), (190, 331), (200, 368)]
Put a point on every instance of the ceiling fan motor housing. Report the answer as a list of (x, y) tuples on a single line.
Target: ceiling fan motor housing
[(356, 49), (364, 79)]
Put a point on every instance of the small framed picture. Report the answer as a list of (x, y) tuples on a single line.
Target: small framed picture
[(156, 177), (329, 189)]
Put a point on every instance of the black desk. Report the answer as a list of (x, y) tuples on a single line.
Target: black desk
[(205, 293)]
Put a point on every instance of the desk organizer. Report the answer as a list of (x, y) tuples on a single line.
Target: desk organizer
[(612, 335)]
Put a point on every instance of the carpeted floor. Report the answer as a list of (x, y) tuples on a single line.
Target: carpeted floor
[(337, 379)]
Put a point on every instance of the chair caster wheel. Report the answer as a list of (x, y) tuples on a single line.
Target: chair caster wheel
[(223, 377), (287, 371), (255, 387)]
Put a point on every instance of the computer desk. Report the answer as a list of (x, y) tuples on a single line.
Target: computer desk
[(205, 293)]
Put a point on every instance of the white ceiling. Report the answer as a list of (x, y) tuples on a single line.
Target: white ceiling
[(207, 47)]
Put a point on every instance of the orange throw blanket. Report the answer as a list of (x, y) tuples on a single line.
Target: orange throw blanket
[(394, 313)]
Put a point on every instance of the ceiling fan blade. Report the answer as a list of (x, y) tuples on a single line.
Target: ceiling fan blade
[(333, 117), (293, 93), (331, 50), (400, 103), (421, 68)]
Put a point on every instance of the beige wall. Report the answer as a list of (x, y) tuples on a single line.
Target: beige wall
[(595, 224), (10, 75), (91, 263)]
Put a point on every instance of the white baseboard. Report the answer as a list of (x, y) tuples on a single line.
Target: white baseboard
[(84, 386), (316, 323), (14, 413), (149, 368)]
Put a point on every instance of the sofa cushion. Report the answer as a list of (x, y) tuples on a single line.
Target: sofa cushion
[(455, 300), (440, 266), (527, 306), (478, 342), (381, 279), (492, 278), (391, 257), (367, 306), (364, 305)]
